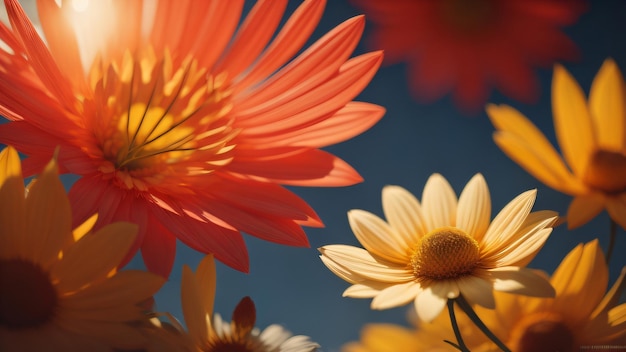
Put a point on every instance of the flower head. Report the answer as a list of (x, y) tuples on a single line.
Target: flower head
[(209, 333), (60, 288), (591, 136), (443, 248), (468, 47), (182, 122), (528, 324)]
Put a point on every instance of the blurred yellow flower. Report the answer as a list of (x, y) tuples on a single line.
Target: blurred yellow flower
[(591, 136), (580, 315), (60, 288), (443, 248), (209, 333)]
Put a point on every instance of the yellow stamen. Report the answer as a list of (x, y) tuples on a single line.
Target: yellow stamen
[(445, 253)]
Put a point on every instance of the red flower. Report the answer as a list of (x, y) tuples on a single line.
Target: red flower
[(468, 47), (183, 122)]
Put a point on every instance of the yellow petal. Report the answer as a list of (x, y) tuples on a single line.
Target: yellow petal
[(48, 217), (378, 237), (583, 208), (616, 207), (474, 209), (607, 105), (580, 281), (12, 216), (82, 229), (572, 122), (93, 257), (524, 143), (439, 203), (404, 213), (193, 310), (205, 278)]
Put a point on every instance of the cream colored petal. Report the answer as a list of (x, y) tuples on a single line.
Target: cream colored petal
[(378, 238), (193, 309), (580, 281), (572, 122), (340, 271), (364, 291), (474, 209), (12, 212), (608, 107), (477, 290), (439, 203), (361, 263), (396, 295), (48, 217), (404, 214), (521, 281), (583, 208), (524, 143), (616, 207), (431, 301), (510, 219), (522, 246), (205, 279), (93, 257)]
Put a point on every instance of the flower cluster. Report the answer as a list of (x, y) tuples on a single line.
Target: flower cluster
[(188, 122)]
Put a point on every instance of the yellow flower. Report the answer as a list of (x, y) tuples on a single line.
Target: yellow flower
[(443, 248), (60, 288), (209, 333), (580, 315), (591, 136)]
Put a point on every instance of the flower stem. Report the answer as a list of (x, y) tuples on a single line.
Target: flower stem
[(467, 308), (457, 333), (612, 235)]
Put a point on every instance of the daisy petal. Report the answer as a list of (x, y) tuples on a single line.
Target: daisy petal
[(378, 237), (607, 105), (12, 215), (477, 290), (364, 291), (616, 207), (404, 214), (572, 122), (474, 209), (361, 263), (509, 219), (439, 203), (396, 295), (430, 302), (195, 316), (522, 281), (583, 208)]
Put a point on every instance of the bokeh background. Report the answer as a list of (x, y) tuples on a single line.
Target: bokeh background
[(290, 286)]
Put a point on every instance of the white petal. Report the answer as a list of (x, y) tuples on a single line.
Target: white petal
[(360, 262), (377, 237), (474, 208), (522, 281), (367, 289), (404, 214), (477, 290), (510, 218), (396, 295), (439, 203), (429, 304)]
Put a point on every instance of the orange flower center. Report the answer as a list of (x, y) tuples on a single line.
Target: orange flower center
[(27, 298), (606, 172), (154, 118), (445, 253), (467, 16), (542, 332)]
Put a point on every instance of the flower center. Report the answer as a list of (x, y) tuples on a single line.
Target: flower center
[(606, 172), (542, 332), (27, 298), (445, 253), (467, 16), (156, 118)]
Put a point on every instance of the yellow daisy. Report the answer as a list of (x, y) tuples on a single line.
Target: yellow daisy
[(209, 333), (443, 248), (591, 136), (578, 317), (60, 288)]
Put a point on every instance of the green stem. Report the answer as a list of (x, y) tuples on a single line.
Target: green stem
[(457, 333), (612, 235), (467, 308)]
